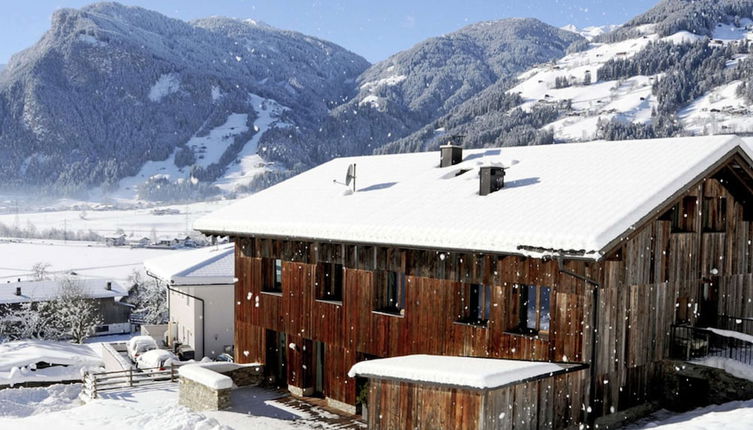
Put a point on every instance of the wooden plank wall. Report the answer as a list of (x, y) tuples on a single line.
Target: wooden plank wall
[(399, 405), (548, 403), (433, 303), (647, 279)]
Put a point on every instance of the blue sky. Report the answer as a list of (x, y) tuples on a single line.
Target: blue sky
[(374, 29)]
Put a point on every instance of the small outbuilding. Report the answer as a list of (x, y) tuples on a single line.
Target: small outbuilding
[(470, 393)]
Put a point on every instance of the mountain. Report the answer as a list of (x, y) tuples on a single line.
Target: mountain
[(412, 88), (132, 103), (110, 89), (680, 68)]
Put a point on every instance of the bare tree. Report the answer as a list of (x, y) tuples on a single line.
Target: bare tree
[(40, 270), (78, 315)]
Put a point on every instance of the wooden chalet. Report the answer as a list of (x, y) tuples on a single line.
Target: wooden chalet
[(575, 254)]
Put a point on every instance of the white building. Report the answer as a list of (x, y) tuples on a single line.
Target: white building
[(200, 297)]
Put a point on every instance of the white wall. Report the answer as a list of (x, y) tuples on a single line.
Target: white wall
[(218, 317)]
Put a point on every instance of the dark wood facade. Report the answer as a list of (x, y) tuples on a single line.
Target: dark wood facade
[(545, 403), (688, 260)]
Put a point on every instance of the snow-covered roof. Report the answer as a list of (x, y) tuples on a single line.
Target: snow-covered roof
[(25, 352), (481, 373), (204, 266), (579, 196), (42, 291)]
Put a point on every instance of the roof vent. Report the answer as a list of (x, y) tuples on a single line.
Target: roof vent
[(18, 291), (491, 179), (108, 287), (451, 153)]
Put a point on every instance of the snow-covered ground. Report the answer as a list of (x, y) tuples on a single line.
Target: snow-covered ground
[(135, 223), (729, 416), (87, 259), (153, 407), (149, 407), (18, 361)]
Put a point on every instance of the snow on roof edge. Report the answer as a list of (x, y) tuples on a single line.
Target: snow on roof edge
[(703, 153), (629, 222), (454, 371)]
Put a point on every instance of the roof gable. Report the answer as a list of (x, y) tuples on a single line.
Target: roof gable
[(576, 197)]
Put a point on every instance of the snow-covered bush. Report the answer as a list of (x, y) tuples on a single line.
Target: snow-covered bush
[(149, 298)]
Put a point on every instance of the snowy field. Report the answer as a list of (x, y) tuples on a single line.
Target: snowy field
[(134, 223), (151, 407), (88, 259)]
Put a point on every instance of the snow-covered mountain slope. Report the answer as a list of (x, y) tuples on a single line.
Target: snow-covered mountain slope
[(414, 87), (138, 105), (113, 92), (680, 68)]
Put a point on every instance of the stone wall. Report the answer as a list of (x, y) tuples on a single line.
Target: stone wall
[(200, 397), (246, 375)]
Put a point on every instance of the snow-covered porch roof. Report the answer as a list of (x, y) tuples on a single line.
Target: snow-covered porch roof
[(571, 197), (469, 372)]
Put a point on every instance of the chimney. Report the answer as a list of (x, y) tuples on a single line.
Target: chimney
[(451, 153), (491, 179), (108, 287), (18, 291)]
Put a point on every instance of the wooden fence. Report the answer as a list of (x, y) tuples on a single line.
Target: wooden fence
[(95, 382)]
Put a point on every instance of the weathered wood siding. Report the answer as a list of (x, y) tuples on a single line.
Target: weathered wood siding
[(429, 324), (649, 280), (654, 279), (548, 403)]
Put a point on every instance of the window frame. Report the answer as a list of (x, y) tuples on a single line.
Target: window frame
[(541, 310), (714, 214), (331, 276), (475, 305), (390, 287), (272, 275), (684, 215)]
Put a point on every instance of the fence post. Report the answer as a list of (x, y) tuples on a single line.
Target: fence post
[(172, 372), (130, 377)]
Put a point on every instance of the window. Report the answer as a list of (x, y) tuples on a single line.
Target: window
[(714, 214), (390, 293), (330, 282), (683, 215), (272, 275), (534, 304), (476, 304)]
